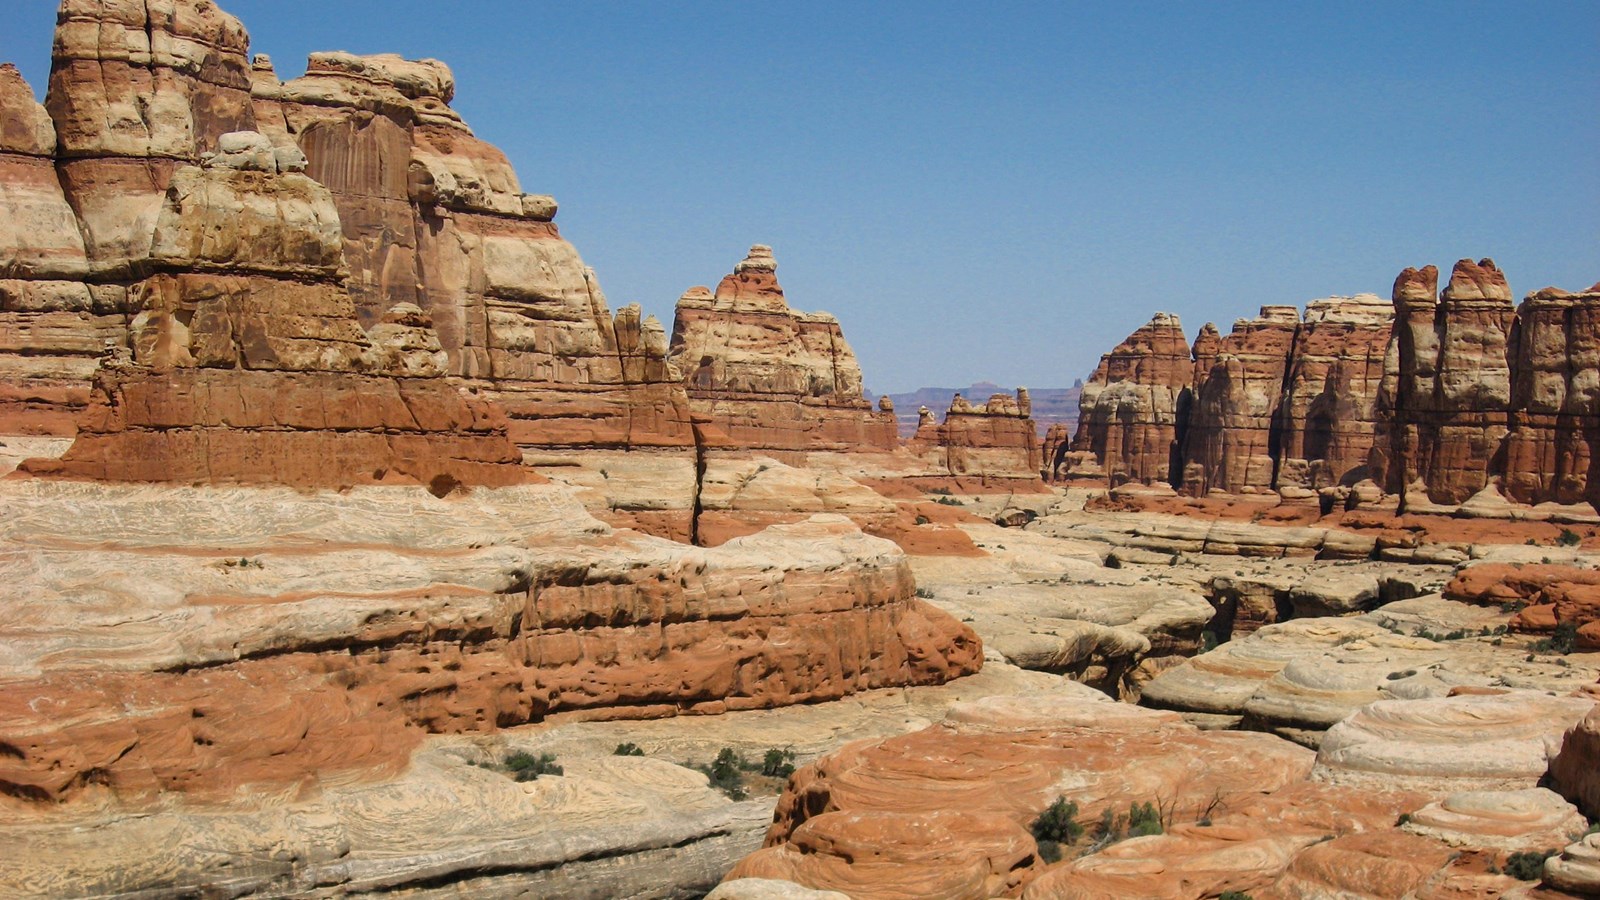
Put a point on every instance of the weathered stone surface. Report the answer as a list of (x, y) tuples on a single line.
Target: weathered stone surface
[(247, 362), (134, 79), (740, 496), (995, 444), (25, 126), (1577, 869), (1576, 769), (1474, 405), (482, 611), (947, 806), (1555, 399), (1228, 443), (1527, 819), (1491, 742), (1242, 844), (51, 326), (1131, 407), (1544, 596), (769, 889), (1446, 392), (768, 377), (434, 216), (1303, 676), (1328, 416)]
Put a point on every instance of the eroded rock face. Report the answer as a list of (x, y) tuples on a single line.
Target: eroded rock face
[(943, 812), (264, 636), (52, 325), (1131, 407), (768, 377), (1446, 393), (1302, 677), (1449, 397), (1555, 401), (994, 443), (1544, 596), (1488, 742), (433, 216), (1282, 402), (1228, 443), (1576, 769), (1329, 411), (426, 215), (921, 809), (246, 354)]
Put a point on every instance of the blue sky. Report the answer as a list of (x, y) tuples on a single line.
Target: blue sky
[(1003, 191)]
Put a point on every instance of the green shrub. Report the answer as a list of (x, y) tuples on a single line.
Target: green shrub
[(1527, 865), (725, 774), (924, 520), (627, 749), (1143, 820), (948, 501), (1233, 895), (1563, 641), (1057, 825), (527, 767), (1569, 538), (778, 763), (924, 593)]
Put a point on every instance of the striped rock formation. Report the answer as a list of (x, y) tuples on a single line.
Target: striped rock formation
[(768, 377)]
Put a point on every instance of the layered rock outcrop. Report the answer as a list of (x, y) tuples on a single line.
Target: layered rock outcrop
[(1478, 394), (943, 812), (1229, 440), (993, 443), (1446, 392), (920, 815), (246, 353), (1327, 419), (768, 377), (1576, 769), (1545, 597), (52, 325), (434, 216), (263, 636), (1453, 396), (269, 336), (426, 215), (1131, 407), (1550, 454)]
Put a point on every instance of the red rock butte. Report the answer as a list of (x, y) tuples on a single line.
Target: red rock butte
[(768, 377), (1432, 399)]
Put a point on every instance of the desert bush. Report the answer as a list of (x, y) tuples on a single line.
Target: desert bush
[(628, 748), (1057, 825), (778, 763), (1527, 864), (1563, 641), (1569, 538), (527, 767)]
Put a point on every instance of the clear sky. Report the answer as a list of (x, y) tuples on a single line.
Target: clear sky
[(1003, 191)]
